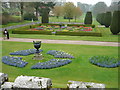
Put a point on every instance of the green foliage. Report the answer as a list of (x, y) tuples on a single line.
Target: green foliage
[(88, 18), (100, 18), (79, 33), (30, 16), (31, 32), (45, 16), (99, 7), (68, 10), (6, 18), (58, 33), (114, 27), (107, 19)]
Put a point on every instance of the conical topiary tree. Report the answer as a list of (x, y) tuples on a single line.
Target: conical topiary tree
[(102, 19), (45, 16), (115, 23), (107, 19), (88, 18)]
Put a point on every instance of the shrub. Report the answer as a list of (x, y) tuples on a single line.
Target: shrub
[(79, 33), (88, 18), (107, 19), (4, 20), (114, 27), (30, 16), (100, 18), (31, 32), (13, 20), (45, 17)]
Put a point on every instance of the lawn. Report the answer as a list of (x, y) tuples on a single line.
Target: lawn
[(79, 70)]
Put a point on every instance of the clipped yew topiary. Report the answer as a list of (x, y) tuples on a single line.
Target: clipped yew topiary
[(102, 19), (88, 18), (115, 23), (45, 17), (107, 19)]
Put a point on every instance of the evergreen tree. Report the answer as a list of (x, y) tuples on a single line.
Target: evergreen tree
[(114, 27), (107, 19), (88, 18)]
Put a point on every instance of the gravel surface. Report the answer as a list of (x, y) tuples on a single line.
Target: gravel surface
[(64, 41)]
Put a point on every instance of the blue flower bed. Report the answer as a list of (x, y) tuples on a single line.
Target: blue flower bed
[(105, 61), (14, 61), (25, 52), (59, 54), (53, 63)]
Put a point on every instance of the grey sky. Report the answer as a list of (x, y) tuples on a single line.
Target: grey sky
[(108, 2)]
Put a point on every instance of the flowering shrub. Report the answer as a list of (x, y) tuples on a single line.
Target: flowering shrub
[(25, 52), (59, 54), (53, 63), (105, 61), (14, 61)]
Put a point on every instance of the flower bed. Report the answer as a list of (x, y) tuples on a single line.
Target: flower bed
[(105, 61), (25, 52), (59, 54), (53, 63), (14, 61), (63, 28)]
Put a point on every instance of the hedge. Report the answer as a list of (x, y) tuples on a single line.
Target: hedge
[(78, 33), (58, 33), (32, 32)]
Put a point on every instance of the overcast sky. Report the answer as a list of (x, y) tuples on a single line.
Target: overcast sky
[(108, 2)]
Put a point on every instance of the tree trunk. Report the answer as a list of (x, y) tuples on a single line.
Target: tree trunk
[(69, 19), (37, 13), (75, 18), (21, 7)]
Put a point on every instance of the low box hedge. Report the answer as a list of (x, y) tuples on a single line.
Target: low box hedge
[(32, 32), (79, 33), (58, 33)]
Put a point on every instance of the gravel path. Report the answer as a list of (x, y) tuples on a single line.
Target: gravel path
[(64, 41)]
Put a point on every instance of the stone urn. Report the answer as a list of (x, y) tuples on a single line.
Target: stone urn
[(37, 45)]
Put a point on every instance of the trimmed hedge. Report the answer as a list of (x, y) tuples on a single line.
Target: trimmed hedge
[(58, 33), (78, 33), (32, 32)]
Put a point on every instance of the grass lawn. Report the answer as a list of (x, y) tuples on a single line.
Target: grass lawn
[(107, 36), (79, 70)]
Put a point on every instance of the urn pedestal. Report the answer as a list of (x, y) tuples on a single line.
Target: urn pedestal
[(38, 56)]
